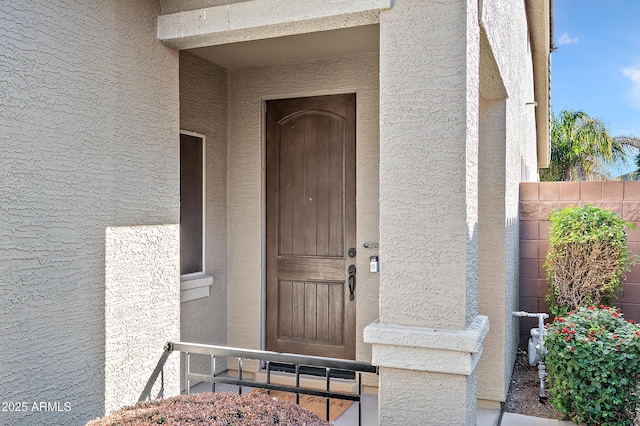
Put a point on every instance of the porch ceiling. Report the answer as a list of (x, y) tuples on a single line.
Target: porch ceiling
[(316, 45)]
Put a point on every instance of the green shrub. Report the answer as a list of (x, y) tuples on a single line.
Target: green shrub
[(593, 362), (588, 257)]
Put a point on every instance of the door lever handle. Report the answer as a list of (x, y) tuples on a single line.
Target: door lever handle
[(352, 282)]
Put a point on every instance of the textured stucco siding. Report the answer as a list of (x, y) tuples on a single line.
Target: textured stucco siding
[(509, 159), (429, 95), (249, 87), (88, 130), (492, 241), (203, 109), (430, 408), (141, 297), (428, 165), (506, 29)]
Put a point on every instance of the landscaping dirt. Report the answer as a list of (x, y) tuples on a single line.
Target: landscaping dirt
[(524, 390)]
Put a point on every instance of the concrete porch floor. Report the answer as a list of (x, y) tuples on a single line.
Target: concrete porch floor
[(485, 417)]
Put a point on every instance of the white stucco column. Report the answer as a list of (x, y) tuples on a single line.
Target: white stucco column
[(429, 337)]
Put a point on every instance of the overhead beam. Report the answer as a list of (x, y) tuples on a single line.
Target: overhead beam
[(261, 19)]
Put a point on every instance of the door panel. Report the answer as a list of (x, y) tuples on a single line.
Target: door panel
[(311, 310), (310, 188), (310, 225)]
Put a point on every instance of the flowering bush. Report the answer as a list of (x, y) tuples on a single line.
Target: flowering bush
[(213, 409), (594, 366)]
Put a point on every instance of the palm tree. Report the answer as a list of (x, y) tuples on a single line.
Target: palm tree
[(634, 143), (581, 146)]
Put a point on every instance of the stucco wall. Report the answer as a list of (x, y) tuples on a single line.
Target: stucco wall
[(537, 201), (203, 109), (507, 157), (248, 87), (88, 129), (141, 313), (429, 95), (505, 25), (492, 236), (428, 197), (432, 409)]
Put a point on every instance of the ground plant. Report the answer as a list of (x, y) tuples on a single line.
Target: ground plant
[(588, 257), (594, 366), (213, 409)]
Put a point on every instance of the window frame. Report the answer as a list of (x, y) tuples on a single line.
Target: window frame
[(203, 139)]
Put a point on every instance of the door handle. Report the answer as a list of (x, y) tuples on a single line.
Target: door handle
[(352, 281)]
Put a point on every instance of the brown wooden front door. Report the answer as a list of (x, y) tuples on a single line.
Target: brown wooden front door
[(311, 225)]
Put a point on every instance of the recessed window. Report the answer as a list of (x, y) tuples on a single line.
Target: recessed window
[(192, 173)]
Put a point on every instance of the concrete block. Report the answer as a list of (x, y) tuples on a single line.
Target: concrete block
[(591, 191), (613, 190), (529, 210), (528, 230), (542, 273), (548, 207), (570, 191), (549, 191), (529, 287), (528, 269), (543, 249), (529, 191), (543, 288), (631, 292), (529, 249), (633, 276), (543, 229), (632, 190), (614, 206), (633, 234), (528, 304), (631, 211)]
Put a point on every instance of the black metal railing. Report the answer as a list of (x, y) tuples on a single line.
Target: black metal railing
[(330, 365)]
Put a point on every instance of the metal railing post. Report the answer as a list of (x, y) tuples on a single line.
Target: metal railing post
[(188, 373), (213, 372), (359, 399), (240, 375), (328, 377), (298, 383), (268, 376)]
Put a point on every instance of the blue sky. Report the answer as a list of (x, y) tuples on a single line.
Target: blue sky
[(596, 68)]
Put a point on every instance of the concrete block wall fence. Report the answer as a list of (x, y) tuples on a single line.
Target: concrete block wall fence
[(537, 201)]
